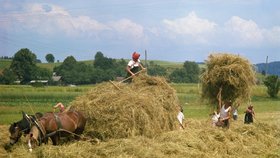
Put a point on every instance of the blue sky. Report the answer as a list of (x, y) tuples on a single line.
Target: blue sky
[(171, 30)]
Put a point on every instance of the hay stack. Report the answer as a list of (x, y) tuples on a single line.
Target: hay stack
[(148, 107), (232, 73)]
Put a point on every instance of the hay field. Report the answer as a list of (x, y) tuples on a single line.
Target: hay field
[(199, 139)]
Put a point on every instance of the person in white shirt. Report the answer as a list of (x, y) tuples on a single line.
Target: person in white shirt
[(215, 119), (180, 118), (133, 66), (225, 114)]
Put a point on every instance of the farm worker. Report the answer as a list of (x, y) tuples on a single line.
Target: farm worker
[(249, 114), (180, 118), (235, 112), (60, 106), (133, 65), (215, 119), (225, 114)]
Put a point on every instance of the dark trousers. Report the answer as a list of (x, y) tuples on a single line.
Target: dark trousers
[(133, 70), (226, 123), (248, 118)]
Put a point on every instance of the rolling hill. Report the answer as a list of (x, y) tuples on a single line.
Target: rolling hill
[(273, 68)]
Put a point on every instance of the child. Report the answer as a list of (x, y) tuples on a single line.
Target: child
[(235, 112), (180, 118), (60, 106), (215, 119)]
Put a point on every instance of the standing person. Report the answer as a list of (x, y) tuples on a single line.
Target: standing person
[(60, 106), (235, 112), (133, 66), (225, 114), (249, 114), (180, 118)]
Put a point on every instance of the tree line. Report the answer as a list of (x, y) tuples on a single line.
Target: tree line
[(23, 68)]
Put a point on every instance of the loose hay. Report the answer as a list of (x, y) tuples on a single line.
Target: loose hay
[(147, 107), (199, 139), (232, 73)]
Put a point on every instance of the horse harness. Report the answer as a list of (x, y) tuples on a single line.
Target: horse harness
[(41, 131), (58, 122), (59, 125)]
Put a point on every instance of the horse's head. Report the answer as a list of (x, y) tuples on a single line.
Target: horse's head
[(15, 133)]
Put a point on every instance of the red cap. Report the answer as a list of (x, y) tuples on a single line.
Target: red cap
[(135, 56)]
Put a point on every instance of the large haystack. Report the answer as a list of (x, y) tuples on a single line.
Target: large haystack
[(232, 73), (148, 107)]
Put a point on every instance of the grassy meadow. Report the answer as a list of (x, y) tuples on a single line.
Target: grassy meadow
[(17, 98)]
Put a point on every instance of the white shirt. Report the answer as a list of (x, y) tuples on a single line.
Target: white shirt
[(180, 117), (133, 63), (224, 112), (235, 112), (215, 118)]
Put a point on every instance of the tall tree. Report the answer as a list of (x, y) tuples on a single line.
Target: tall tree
[(50, 58), (24, 65), (188, 74), (192, 71), (272, 83), (102, 62), (7, 76), (73, 72), (156, 70)]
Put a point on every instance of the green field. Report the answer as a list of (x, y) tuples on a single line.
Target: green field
[(17, 98)]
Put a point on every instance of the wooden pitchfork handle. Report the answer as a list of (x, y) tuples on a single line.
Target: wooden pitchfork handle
[(130, 76)]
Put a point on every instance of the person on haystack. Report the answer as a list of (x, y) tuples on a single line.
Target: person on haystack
[(134, 66), (249, 114)]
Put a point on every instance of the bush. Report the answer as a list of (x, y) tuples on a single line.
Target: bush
[(272, 83)]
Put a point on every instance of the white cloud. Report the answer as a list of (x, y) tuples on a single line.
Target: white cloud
[(273, 35), (244, 30), (51, 19), (128, 28), (190, 25)]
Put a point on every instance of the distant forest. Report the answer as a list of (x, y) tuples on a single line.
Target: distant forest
[(272, 68)]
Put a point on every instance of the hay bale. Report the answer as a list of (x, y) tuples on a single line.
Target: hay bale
[(148, 107), (232, 73)]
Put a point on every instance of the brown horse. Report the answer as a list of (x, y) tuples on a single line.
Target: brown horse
[(56, 125)]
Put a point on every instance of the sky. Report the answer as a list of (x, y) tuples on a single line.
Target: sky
[(169, 30)]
